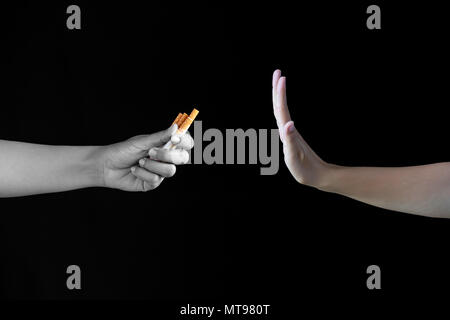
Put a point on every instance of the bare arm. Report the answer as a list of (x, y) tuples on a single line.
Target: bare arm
[(422, 190), (27, 168)]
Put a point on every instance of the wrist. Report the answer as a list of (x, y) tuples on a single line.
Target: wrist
[(328, 180), (94, 166)]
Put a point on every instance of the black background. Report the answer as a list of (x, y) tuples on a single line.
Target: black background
[(358, 96)]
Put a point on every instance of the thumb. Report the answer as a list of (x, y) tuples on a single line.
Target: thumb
[(146, 142), (292, 139)]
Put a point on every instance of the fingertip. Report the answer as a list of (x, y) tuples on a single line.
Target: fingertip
[(175, 139), (275, 77), (171, 171), (186, 142), (191, 142), (281, 85), (158, 179), (185, 157), (289, 128), (173, 128)]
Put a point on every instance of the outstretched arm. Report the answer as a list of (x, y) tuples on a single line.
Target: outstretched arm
[(422, 190), (27, 168)]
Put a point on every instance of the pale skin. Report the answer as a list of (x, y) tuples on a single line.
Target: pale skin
[(137, 164), (422, 190)]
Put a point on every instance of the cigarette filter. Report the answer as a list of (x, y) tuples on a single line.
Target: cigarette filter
[(184, 122), (187, 122), (177, 119), (181, 120)]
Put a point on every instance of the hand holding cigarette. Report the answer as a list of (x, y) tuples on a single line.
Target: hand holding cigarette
[(183, 122), (27, 168), (176, 147), (165, 150)]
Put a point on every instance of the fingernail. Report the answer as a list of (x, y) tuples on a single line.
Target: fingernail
[(142, 162), (133, 169), (291, 128), (176, 139), (152, 153)]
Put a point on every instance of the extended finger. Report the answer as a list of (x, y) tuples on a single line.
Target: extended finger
[(276, 76), (282, 108)]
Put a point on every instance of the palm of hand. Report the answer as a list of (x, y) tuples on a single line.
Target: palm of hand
[(303, 163)]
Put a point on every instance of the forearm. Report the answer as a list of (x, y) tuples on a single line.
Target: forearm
[(27, 169), (423, 190)]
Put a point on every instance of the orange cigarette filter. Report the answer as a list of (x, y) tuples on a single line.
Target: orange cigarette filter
[(180, 122), (188, 121), (177, 119)]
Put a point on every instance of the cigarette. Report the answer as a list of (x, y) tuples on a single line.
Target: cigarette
[(184, 122), (177, 119), (187, 122), (181, 120)]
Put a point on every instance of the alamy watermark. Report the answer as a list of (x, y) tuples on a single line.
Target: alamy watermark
[(235, 152)]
